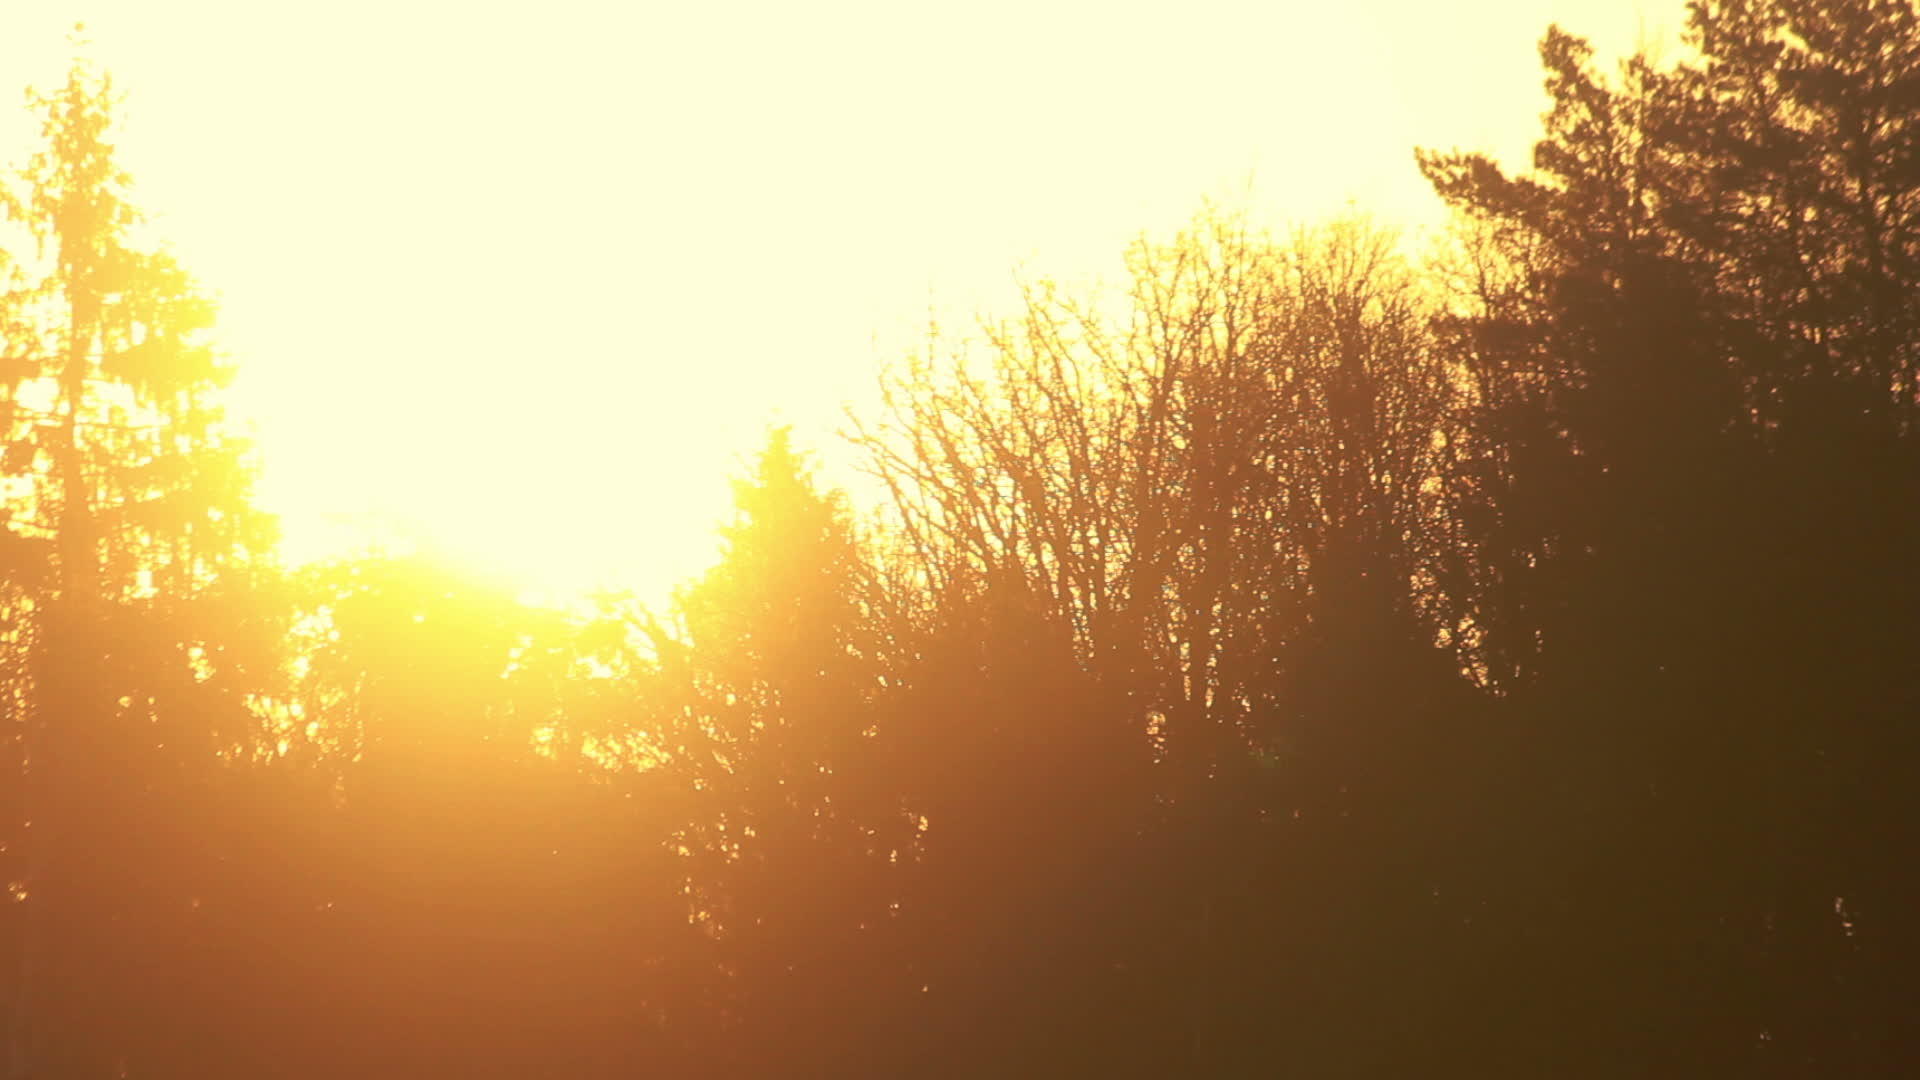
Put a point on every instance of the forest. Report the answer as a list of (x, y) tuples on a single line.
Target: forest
[(1331, 660)]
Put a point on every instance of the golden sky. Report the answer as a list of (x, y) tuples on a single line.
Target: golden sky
[(531, 279)]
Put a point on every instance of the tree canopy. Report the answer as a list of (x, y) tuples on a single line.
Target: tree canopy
[(1324, 660)]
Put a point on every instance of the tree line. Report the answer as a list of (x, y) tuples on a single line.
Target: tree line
[(1319, 662)]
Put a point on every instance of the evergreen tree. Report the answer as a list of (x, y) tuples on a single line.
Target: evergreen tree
[(133, 583), (769, 714), (1686, 453)]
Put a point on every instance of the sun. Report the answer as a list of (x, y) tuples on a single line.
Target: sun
[(500, 486)]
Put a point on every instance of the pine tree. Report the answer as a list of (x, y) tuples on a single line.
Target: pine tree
[(768, 715), (134, 581), (1692, 380)]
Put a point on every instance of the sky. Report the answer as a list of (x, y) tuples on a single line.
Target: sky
[(529, 281)]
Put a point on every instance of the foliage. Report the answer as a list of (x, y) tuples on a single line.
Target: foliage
[(135, 581), (1304, 660)]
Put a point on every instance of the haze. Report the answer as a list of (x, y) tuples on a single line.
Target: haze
[(464, 250)]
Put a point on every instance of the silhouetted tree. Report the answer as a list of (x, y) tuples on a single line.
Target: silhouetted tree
[(1691, 366), (771, 697), (136, 561), (1219, 513), (1293, 663)]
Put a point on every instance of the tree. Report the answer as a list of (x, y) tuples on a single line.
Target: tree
[(1182, 554), (134, 576), (1691, 369), (768, 703)]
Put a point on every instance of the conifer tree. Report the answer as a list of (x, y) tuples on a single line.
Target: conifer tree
[(132, 585)]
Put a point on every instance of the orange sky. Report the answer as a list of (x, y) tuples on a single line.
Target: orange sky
[(530, 279)]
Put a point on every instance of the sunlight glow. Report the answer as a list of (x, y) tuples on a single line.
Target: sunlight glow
[(522, 284)]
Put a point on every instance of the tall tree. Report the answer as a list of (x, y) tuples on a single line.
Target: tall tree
[(130, 502), (770, 700), (1692, 376), (1183, 547)]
